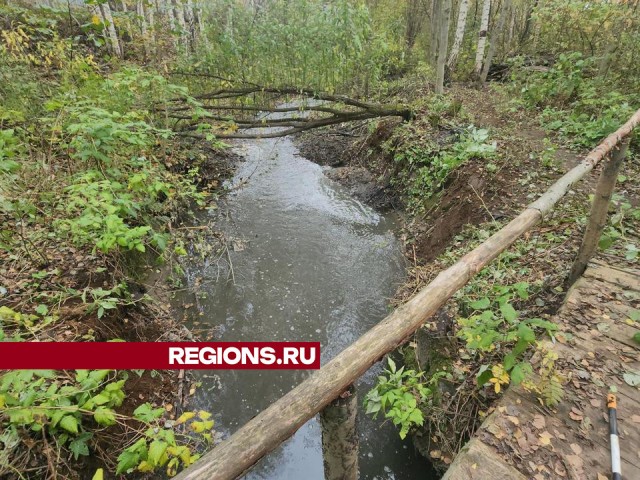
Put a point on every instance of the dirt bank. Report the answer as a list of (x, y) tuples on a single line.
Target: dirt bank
[(477, 198), (84, 295)]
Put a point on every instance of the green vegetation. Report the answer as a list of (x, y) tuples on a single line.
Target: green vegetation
[(424, 166), (397, 395), (577, 105), (304, 43), (99, 104), (83, 163)]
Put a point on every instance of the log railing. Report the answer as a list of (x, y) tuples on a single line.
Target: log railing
[(283, 418)]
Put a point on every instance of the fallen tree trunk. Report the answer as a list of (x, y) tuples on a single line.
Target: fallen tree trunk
[(226, 118)]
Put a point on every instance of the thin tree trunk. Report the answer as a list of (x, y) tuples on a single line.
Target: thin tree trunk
[(482, 37), (103, 12), (140, 12), (493, 41), (433, 32), (178, 13), (168, 10), (190, 19), (200, 14), (151, 25), (512, 27), (527, 22), (460, 26), (443, 43), (414, 20)]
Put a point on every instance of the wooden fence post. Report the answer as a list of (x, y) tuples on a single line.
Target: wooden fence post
[(340, 438), (599, 209)]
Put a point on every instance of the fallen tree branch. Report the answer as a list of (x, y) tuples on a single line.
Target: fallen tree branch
[(334, 109)]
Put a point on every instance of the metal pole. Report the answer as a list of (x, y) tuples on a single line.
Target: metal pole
[(616, 470)]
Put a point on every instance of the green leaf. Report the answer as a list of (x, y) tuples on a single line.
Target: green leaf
[(156, 451), (42, 310), (79, 445), (104, 416), (392, 364), (508, 312), (636, 337), (481, 304), (517, 375), (69, 423), (147, 413), (126, 461), (509, 361), (632, 378), (99, 475), (525, 333), (484, 375)]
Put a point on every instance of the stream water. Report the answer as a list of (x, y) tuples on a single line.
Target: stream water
[(310, 264)]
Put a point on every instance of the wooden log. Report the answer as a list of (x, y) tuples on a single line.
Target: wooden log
[(599, 210), (231, 458), (340, 438)]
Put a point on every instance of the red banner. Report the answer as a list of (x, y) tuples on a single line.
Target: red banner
[(160, 355)]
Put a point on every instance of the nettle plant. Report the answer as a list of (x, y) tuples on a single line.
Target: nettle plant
[(65, 408), (398, 394), (68, 408), (17, 326), (163, 448), (492, 328)]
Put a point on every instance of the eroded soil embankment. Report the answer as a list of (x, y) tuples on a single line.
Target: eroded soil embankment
[(476, 199)]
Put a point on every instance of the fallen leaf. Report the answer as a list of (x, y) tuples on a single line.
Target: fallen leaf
[(575, 416), (632, 378), (539, 422), (577, 449), (513, 420), (496, 431), (545, 438)]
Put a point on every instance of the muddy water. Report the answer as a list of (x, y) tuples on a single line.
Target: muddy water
[(310, 263)]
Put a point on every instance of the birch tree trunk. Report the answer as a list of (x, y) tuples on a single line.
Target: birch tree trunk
[(167, 9), (443, 43), (189, 17), (460, 26), (493, 42), (142, 19), (151, 24), (200, 20), (178, 13), (482, 37), (103, 12)]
